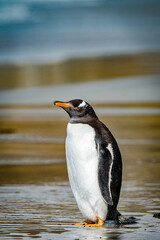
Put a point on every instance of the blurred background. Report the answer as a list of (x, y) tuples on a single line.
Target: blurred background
[(53, 42), (106, 52)]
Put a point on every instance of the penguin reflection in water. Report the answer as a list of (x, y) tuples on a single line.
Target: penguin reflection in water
[(94, 164)]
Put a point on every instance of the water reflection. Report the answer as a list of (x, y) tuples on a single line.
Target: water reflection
[(47, 211)]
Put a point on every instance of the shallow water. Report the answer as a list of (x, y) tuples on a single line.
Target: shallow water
[(35, 196), (49, 210)]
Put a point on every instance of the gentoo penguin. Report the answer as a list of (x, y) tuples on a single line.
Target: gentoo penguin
[(93, 162)]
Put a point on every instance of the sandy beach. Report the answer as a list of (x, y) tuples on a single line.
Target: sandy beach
[(107, 53)]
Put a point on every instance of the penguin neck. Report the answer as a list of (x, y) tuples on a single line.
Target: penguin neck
[(86, 120)]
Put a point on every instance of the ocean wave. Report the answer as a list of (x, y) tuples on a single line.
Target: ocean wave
[(35, 31), (14, 13)]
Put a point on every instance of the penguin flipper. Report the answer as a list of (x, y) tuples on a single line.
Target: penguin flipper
[(104, 172)]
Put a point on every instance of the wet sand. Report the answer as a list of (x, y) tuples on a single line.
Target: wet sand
[(130, 90), (79, 70), (106, 53), (35, 197)]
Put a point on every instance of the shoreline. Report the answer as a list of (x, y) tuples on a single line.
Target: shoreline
[(82, 69), (76, 57)]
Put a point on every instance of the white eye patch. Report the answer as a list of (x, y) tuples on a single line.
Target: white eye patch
[(82, 104)]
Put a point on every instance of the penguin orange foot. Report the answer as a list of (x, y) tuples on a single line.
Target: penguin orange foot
[(84, 223), (80, 223), (92, 224), (99, 224)]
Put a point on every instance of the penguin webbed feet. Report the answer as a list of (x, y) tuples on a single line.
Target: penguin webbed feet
[(89, 223), (80, 223)]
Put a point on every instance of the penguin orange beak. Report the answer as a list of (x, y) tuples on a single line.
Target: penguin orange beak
[(61, 104)]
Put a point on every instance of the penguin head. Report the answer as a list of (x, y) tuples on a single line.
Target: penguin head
[(78, 110)]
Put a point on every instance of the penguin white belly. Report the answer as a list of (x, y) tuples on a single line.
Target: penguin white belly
[(82, 165)]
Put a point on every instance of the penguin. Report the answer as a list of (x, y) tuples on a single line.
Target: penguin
[(94, 164)]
